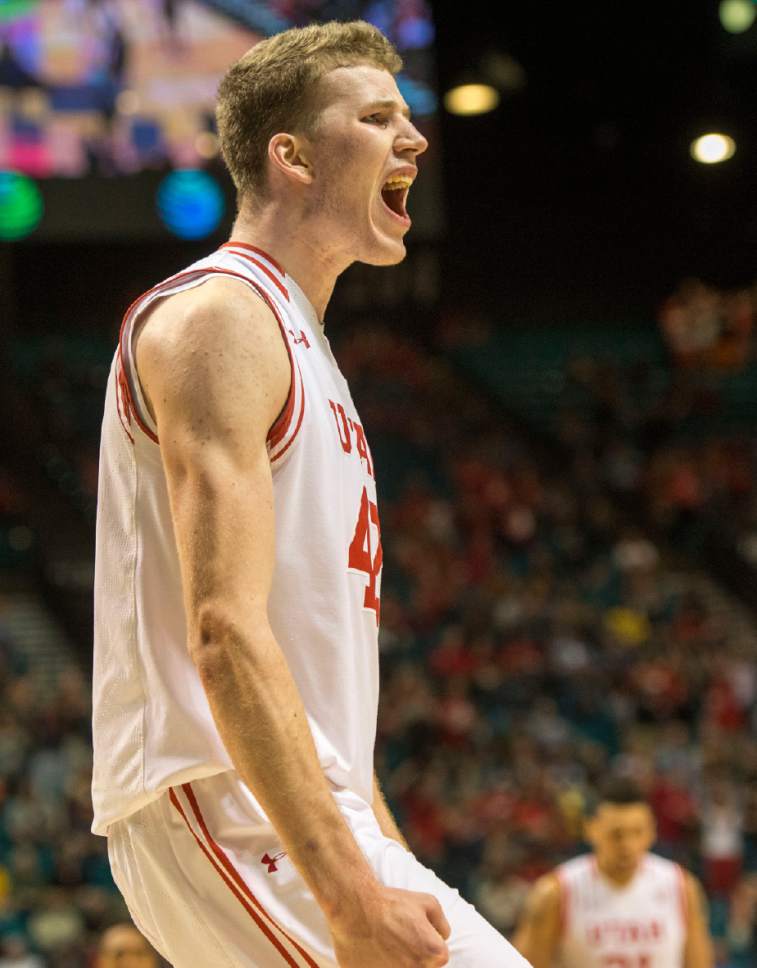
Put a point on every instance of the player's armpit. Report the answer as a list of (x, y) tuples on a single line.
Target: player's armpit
[(699, 953), (538, 933)]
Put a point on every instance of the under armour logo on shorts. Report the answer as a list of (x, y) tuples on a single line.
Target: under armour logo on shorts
[(271, 861)]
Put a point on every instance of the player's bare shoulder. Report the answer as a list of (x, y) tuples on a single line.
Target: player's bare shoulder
[(214, 342), (543, 901)]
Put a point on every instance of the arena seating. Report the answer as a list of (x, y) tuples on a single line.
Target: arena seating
[(534, 636)]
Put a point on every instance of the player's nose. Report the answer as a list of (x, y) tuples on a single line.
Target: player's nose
[(411, 139)]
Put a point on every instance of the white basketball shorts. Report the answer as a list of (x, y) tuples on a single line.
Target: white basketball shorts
[(210, 886)]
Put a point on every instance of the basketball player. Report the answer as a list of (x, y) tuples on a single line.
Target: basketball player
[(238, 570), (122, 946), (620, 906)]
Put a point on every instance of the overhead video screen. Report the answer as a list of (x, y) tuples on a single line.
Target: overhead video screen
[(116, 87)]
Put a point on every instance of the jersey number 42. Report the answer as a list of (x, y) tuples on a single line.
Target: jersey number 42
[(365, 555)]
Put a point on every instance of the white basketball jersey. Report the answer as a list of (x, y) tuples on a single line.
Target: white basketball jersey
[(152, 724), (641, 925)]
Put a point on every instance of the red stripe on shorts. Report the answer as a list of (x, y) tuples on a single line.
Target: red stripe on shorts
[(237, 878), (253, 914)]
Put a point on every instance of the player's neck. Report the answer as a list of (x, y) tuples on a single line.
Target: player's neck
[(284, 235), (618, 879)]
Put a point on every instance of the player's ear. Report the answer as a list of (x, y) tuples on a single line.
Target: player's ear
[(290, 155)]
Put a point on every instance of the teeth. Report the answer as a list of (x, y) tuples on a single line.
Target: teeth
[(398, 182)]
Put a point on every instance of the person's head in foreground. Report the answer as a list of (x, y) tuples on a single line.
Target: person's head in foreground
[(620, 828), (317, 137), (122, 946)]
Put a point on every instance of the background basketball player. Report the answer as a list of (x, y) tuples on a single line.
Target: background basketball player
[(122, 946), (620, 906)]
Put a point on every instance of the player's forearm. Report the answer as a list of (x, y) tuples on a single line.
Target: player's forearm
[(386, 821), (262, 722)]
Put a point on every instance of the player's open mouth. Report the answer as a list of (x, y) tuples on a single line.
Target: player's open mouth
[(394, 195)]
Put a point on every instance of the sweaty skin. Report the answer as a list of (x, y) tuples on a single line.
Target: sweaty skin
[(216, 375)]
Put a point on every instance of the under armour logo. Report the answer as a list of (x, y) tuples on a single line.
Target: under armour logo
[(271, 861), (302, 338)]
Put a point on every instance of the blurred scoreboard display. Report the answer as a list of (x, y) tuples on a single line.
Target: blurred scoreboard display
[(101, 101)]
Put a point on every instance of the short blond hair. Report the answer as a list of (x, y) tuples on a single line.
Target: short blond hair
[(271, 88)]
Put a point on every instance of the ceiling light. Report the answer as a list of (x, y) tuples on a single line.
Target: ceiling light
[(712, 148), (469, 99), (737, 16)]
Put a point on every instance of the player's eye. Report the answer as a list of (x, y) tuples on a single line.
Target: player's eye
[(380, 119)]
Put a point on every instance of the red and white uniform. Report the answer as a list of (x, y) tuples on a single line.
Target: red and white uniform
[(640, 925), (153, 728), (192, 851)]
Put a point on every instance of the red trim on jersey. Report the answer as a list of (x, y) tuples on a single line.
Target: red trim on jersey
[(282, 422), (237, 878), (117, 376), (289, 443), (254, 248), (253, 914), (232, 246), (128, 400), (682, 895)]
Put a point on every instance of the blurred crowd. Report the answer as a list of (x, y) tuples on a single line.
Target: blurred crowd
[(679, 446), (56, 892), (533, 639), (707, 327)]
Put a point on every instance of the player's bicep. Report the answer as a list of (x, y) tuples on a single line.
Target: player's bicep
[(223, 519), (217, 378)]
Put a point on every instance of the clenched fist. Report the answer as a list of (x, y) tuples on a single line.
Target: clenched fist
[(393, 928)]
